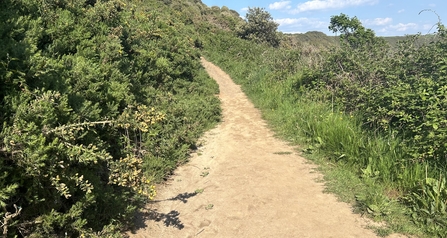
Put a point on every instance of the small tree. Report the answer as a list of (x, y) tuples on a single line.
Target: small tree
[(260, 27), (353, 32)]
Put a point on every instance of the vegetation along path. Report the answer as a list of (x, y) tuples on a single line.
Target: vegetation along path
[(244, 182)]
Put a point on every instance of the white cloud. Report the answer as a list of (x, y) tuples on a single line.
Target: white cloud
[(429, 28), (294, 32), (287, 21), (378, 21), (329, 4), (280, 5), (294, 25), (403, 27), (298, 21), (401, 10), (244, 9)]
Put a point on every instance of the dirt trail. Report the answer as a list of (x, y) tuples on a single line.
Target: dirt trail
[(248, 183)]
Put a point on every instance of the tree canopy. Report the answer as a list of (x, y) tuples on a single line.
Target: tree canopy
[(352, 31), (260, 27)]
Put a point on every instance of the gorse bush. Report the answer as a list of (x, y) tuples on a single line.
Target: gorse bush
[(97, 99)]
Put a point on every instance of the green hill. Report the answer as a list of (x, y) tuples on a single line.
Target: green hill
[(320, 40)]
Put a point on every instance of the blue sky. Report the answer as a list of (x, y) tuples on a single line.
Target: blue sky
[(386, 18)]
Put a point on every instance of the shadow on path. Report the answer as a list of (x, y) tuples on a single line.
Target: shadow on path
[(181, 197), (170, 219)]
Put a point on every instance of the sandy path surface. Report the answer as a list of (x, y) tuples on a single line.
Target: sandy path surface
[(244, 182)]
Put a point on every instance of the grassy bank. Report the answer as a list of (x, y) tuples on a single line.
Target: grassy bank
[(360, 166)]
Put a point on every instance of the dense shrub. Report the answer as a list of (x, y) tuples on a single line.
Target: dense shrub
[(400, 92), (97, 99), (260, 27)]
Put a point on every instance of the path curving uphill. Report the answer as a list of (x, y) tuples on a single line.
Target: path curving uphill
[(244, 182)]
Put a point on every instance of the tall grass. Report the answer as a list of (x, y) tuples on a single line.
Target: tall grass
[(376, 160)]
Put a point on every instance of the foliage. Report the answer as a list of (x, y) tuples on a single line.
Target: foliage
[(260, 27), (400, 92), (360, 79), (428, 202), (98, 98), (352, 32), (334, 104), (309, 41)]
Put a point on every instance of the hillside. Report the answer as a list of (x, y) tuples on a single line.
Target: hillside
[(369, 113), (102, 100), (322, 41), (98, 100)]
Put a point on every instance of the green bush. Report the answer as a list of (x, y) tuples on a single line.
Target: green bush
[(399, 92), (260, 27), (362, 104), (93, 93)]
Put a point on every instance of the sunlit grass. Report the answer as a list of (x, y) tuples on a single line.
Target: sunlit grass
[(364, 168)]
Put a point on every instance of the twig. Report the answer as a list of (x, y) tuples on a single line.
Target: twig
[(9, 216), (61, 128), (198, 233)]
